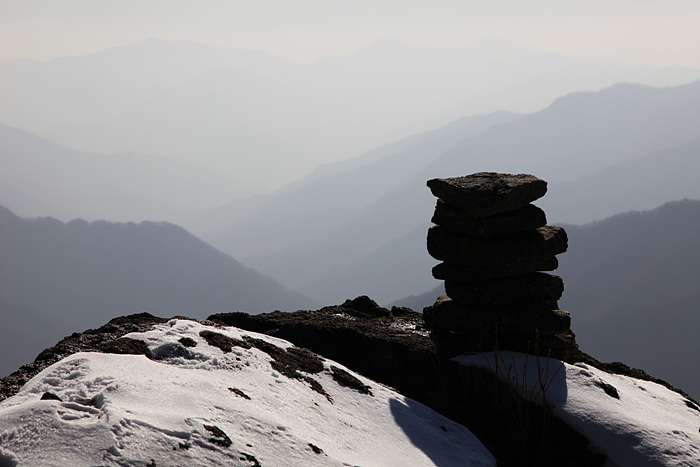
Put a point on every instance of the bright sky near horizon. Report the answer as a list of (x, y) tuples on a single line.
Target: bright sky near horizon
[(634, 32)]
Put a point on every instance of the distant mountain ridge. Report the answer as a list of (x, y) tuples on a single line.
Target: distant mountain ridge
[(41, 178), (582, 134), (643, 183), (325, 199), (672, 173), (79, 274)]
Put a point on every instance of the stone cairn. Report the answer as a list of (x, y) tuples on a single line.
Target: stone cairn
[(493, 244)]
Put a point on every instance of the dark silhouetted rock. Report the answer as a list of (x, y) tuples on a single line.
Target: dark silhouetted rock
[(499, 225), (364, 305), (388, 347), (535, 287), (124, 345), (520, 319), (493, 243), (560, 346), (222, 341), (219, 437), (503, 257), (49, 396), (457, 273), (486, 193)]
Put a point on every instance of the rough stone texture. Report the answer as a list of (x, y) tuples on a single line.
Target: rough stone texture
[(348, 334), (561, 346), (487, 193), (125, 345), (493, 243), (504, 257), (222, 342), (499, 225), (346, 379), (534, 287), (218, 436), (453, 272), (363, 305), (520, 319)]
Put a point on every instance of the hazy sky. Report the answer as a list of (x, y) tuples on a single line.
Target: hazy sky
[(650, 32)]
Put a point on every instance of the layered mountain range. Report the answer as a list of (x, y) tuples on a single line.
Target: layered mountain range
[(600, 153), (219, 106), (40, 177), (354, 227)]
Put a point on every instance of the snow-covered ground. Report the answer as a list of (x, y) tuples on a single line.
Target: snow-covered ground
[(223, 396), (634, 423), (200, 404)]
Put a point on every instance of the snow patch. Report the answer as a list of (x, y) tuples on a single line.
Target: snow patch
[(195, 403)]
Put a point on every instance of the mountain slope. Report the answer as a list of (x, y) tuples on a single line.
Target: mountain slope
[(673, 174), (640, 184), (393, 270), (632, 290), (83, 273), (117, 187), (235, 121), (26, 205), (328, 197), (582, 133)]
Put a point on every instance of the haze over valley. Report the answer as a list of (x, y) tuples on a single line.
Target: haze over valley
[(220, 107)]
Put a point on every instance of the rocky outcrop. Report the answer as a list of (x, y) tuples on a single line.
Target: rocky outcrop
[(393, 347), (390, 346), (106, 339), (493, 244)]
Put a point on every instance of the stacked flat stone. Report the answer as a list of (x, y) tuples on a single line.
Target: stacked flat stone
[(493, 244)]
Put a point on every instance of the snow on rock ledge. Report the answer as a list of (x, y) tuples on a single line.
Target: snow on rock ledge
[(221, 396), (633, 422)]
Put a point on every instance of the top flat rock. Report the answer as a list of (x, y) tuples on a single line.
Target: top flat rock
[(484, 194)]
